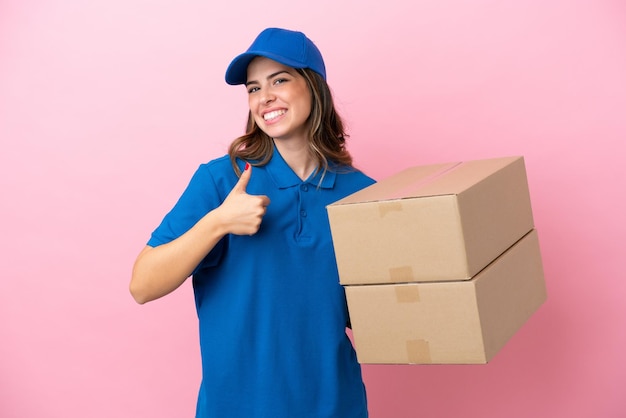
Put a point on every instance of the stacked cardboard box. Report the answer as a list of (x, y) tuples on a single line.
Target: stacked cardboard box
[(440, 263)]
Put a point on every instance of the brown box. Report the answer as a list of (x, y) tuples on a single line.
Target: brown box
[(441, 222), (462, 322)]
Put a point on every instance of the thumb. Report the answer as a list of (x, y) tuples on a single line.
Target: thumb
[(244, 179)]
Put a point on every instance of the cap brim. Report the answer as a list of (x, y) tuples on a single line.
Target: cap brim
[(237, 71)]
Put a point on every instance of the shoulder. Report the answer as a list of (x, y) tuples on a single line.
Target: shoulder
[(352, 175), (218, 166), (213, 177), (218, 170), (350, 179)]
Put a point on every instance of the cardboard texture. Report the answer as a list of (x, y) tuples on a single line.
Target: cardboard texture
[(463, 322), (442, 222)]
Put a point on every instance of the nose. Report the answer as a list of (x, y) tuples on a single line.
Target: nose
[(267, 97)]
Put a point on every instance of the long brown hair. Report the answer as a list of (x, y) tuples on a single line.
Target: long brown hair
[(327, 138)]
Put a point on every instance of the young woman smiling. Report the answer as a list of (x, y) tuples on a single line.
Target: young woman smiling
[(251, 230)]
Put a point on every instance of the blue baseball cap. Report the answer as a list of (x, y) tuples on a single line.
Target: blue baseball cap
[(287, 47)]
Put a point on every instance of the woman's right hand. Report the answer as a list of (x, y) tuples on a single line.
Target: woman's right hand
[(241, 213)]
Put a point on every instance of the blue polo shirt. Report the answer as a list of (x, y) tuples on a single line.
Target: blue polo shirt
[(271, 311)]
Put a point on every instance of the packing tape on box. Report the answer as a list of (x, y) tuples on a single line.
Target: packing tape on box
[(393, 203), (418, 352), (401, 274), (407, 294), (413, 187), (389, 206)]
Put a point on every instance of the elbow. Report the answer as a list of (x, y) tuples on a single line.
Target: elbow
[(138, 288), (147, 283), (139, 298), (138, 294)]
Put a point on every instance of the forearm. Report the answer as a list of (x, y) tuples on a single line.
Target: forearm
[(162, 269)]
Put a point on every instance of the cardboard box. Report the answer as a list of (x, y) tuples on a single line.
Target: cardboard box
[(431, 223), (463, 322)]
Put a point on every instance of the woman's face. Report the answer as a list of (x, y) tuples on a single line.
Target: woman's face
[(279, 99)]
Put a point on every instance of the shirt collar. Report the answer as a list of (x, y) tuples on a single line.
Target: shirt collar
[(284, 177)]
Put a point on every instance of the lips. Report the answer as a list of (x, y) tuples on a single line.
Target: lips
[(269, 116)]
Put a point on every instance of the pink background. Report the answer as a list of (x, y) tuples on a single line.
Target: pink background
[(107, 107)]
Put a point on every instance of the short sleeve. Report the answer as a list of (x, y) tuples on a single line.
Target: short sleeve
[(199, 198)]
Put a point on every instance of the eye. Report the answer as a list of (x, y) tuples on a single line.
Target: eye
[(280, 81), (252, 89)]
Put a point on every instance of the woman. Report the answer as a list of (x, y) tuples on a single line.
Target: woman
[(272, 314)]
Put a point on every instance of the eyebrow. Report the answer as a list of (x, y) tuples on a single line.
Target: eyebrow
[(268, 77)]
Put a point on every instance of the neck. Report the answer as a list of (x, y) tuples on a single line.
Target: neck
[(298, 157)]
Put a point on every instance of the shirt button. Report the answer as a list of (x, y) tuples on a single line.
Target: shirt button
[(304, 187), (303, 213)]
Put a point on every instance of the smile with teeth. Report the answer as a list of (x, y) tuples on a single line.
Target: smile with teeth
[(274, 114)]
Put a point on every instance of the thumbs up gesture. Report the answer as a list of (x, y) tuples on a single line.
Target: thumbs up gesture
[(242, 213)]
